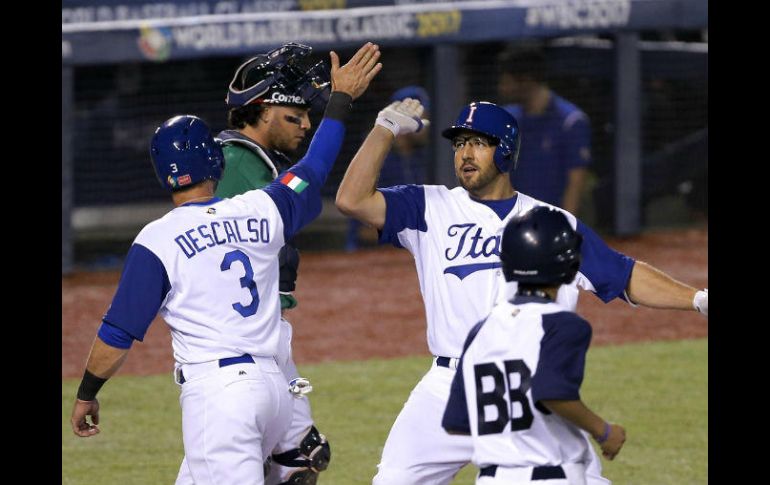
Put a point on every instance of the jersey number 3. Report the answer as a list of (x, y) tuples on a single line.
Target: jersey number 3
[(495, 397), (247, 281)]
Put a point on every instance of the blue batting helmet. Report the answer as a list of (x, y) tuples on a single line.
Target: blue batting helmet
[(540, 247), (492, 121), (283, 77), (184, 153)]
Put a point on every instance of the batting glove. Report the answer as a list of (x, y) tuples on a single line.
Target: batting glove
[(299, 386), (701, 301), (402, 117)]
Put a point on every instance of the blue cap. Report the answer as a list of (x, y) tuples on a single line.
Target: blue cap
[(184, 153), (414, 92), (493, 121)]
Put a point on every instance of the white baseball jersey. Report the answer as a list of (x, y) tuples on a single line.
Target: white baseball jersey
[(455, 241), (527, 350), (211, 269), (222, 260)]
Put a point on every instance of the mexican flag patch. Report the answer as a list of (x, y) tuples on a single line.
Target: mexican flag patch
[(293, 182)]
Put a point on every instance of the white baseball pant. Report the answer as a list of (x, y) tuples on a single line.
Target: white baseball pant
[(232, 418), (301, 419), (418, 451)]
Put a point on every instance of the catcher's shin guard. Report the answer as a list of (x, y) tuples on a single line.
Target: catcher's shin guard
[(312, 457)]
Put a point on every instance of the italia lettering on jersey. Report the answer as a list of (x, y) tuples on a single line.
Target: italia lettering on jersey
[(528, 350), (455, 241)]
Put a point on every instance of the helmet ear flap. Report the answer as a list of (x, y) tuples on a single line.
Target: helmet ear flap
[(516, 150), (184, 153)]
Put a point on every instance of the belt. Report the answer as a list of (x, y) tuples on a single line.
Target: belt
[(448, 362), (538, 472), (241, 359)]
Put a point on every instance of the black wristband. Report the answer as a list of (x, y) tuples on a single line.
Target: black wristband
[(89, 386), (338, 106)]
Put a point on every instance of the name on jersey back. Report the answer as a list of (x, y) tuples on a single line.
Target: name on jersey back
[(214, 233)]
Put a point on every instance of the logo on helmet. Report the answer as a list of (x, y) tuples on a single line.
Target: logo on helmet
[(285, 98)]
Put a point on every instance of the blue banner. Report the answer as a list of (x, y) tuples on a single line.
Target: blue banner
[(79, 11), (413, 24)]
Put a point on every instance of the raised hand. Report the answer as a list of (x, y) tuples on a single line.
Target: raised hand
[(402, 117), (353, 78)]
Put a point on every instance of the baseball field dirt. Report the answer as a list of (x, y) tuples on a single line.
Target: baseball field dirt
[(367, 304)]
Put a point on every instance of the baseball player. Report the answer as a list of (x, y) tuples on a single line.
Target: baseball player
[(210, 268), (517, 386), (269, 99), (454, 236)]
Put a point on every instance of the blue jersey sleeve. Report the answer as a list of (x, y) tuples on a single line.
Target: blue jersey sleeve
[(562, 357), (577, 141), (606, 269), (297, 192), (455, 419), (114, 336), (404, 209), (143, 286)]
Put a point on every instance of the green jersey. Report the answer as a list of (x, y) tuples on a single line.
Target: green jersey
[(247, 167)]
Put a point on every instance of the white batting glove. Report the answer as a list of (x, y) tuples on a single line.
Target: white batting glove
[(701, 301), (299, 386), (402, 117)]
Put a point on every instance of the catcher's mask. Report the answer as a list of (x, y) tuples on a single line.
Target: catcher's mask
[(282, 76)]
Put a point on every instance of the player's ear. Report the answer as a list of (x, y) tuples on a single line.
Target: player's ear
[(266, 114)]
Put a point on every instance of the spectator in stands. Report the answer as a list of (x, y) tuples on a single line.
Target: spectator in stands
[(556, 134)]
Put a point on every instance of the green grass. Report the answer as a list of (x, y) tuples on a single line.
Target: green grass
[(658, 391)]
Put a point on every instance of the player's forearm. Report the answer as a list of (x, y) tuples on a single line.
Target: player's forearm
[(103, 362), (105, 359), (651, 287), (327, 141), (357, 195), (578, 414)]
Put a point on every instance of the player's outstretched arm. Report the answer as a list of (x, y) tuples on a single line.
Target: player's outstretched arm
[(651, 287), (357, 196), (609, 436), (348, 83), (302, 203), (102, 364)]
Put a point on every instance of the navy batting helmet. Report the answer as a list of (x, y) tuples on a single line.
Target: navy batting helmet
[(494, 122), (280, 77), (540, 247), (184, 153)]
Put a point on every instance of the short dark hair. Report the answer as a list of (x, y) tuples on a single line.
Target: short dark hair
[(523, 60), (238, 118)]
